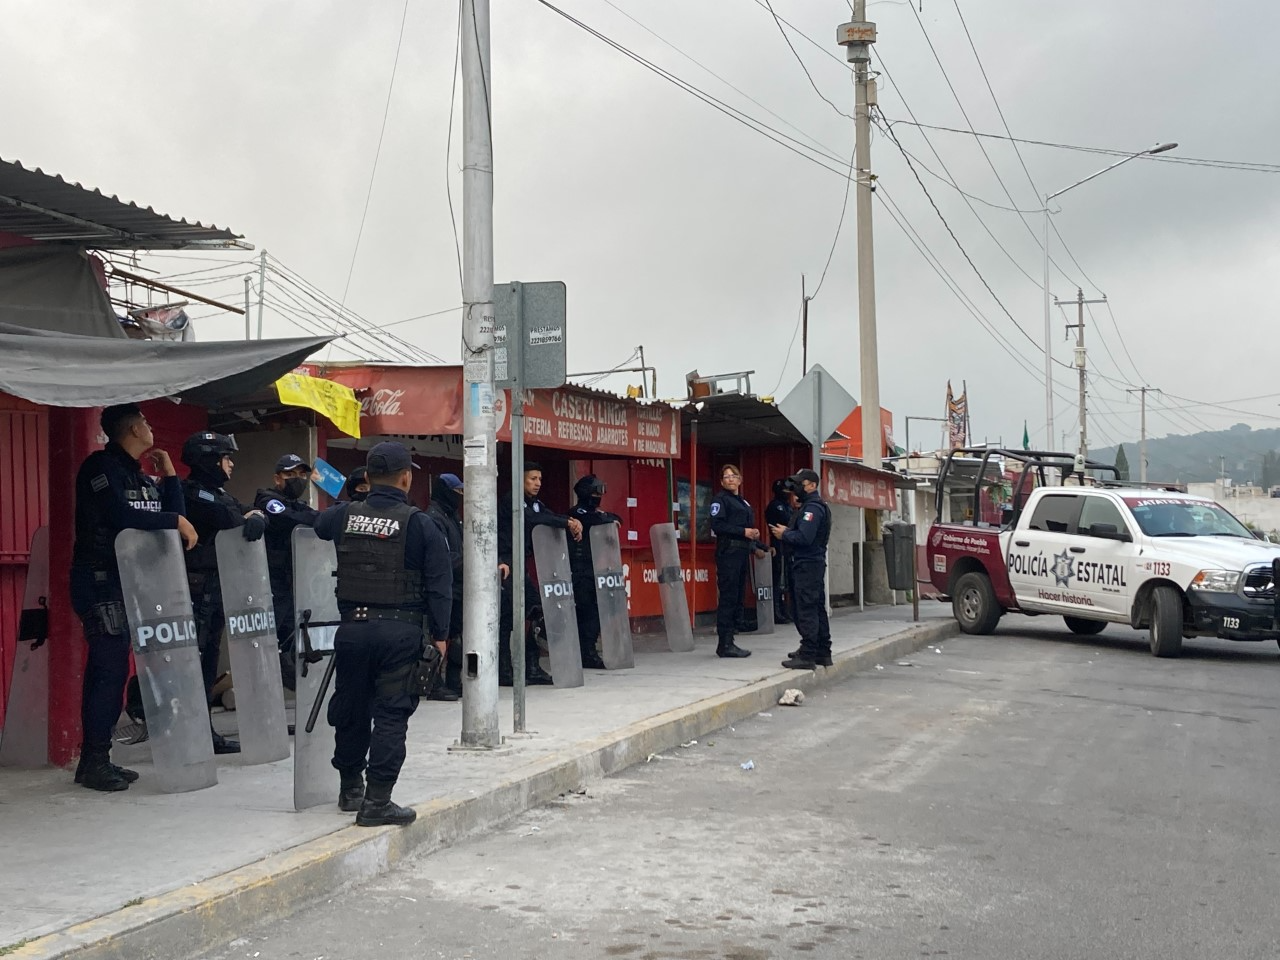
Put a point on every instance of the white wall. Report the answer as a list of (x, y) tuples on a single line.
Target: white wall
[(845, 526)]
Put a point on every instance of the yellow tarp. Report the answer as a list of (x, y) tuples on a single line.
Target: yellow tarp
[(325, 397)]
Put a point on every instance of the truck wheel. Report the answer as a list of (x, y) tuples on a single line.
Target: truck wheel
[(1085, 628), (1166, 622), (974, 604)]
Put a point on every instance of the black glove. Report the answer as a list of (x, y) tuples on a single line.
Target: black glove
[(254, 528)]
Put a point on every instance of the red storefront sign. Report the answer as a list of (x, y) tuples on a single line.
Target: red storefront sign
[(851, 485), (572, 418)]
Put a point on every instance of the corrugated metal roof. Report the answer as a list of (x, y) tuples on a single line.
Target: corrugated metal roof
[(46, 207)]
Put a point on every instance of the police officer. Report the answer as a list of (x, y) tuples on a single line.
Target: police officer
[(211, 509), (394, 583), (590, 490), (807, 538), (737, 537), (779, 513), (536, 513), (357, 485), (284, 507), (113, 494), (445, 510)]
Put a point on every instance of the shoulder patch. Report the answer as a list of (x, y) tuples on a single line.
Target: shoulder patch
[(205, 495), (808, 514), (715, 508), (537, 506), (275, 506), (99, 483)]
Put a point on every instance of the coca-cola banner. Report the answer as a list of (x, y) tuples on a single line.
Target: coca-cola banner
[(572, 418), (413, 401), (427, 401), (851, 485)]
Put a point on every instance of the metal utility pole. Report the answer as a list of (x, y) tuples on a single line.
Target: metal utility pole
[(248, 286), (262, 287), (857, 37), (804, 329), (1081, 361), (480, 615), (1142, 443)]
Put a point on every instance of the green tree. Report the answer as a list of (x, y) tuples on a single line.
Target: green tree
[(1122, 463)]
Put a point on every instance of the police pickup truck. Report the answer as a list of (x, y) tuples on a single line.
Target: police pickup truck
[(1046, 539)]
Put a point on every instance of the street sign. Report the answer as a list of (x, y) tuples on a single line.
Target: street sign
[(817, 405), (529, 332)]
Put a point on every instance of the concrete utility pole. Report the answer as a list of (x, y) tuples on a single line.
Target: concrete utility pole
[(1142, 443), (480, 614), (248, 285), (262, 287), (1081, 360), (857, 37)]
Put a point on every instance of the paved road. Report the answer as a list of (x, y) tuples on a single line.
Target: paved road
[(1026, 795)]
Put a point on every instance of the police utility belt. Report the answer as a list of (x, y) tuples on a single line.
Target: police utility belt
[(371, 614)]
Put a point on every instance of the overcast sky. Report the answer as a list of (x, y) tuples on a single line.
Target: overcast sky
[(678, 228)]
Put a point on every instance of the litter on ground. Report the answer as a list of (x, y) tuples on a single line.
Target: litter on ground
[(791, 698)]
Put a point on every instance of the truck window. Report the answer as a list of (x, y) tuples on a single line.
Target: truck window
[(1101, 510), (1056, 513)]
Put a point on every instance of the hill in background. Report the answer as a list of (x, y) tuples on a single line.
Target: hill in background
[(1246, 455)]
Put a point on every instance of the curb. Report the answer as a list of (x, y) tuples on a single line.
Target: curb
[(195, 917)]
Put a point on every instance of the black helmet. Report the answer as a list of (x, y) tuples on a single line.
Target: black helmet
[(207, 446), (781, 488), (589, 486)]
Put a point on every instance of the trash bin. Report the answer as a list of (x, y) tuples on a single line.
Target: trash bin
[(900, 554)]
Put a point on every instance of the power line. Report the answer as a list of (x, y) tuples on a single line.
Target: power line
[(386, 112), (790, 46), (844, 207)]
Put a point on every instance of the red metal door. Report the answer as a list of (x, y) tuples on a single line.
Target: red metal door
[(24, 507)]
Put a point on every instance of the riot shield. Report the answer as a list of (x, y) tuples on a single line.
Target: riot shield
[(315, 603), (251, 644), (157, 605), (675, 604), (555, 595), (24, 734), (611, 598), (762, 573)]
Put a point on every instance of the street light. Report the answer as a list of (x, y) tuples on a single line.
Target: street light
[(1048, 339)]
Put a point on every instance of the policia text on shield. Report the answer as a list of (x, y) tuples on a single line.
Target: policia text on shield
[(394, 579)]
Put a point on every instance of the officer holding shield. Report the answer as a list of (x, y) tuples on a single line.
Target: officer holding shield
[(113, 494), (395, 581), (284, 507), (590, 490), (211, 509)]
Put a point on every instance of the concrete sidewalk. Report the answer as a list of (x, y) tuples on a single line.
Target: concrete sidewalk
[(104, 874)]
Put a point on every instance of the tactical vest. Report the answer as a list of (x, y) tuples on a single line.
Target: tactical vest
[(203, 557), (371, 558), (140, 494)]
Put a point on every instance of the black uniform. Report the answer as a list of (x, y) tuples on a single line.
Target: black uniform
[(779, 512), (210, 510), (393, 564), (112, 494), (807, 540), (443, 511), (283, 514), (536, 514), (731, 516), (589, 514)]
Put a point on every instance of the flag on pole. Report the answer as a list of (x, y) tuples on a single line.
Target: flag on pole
[(957, 419), (1026, 437)]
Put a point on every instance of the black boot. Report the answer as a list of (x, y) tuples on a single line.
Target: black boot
[(351, 792), (591, 660), (535, 676), (124, 773), (378, 810), (803, 659), (729, 650), (221, 745), (97, 772), (441, 692)]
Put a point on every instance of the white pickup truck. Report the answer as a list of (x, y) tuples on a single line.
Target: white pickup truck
[(1099, 553)]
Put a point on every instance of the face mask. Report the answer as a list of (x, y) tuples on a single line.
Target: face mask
[(593, 501), (295, 487)]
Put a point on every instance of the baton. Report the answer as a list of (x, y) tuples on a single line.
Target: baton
[(324, 688)]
